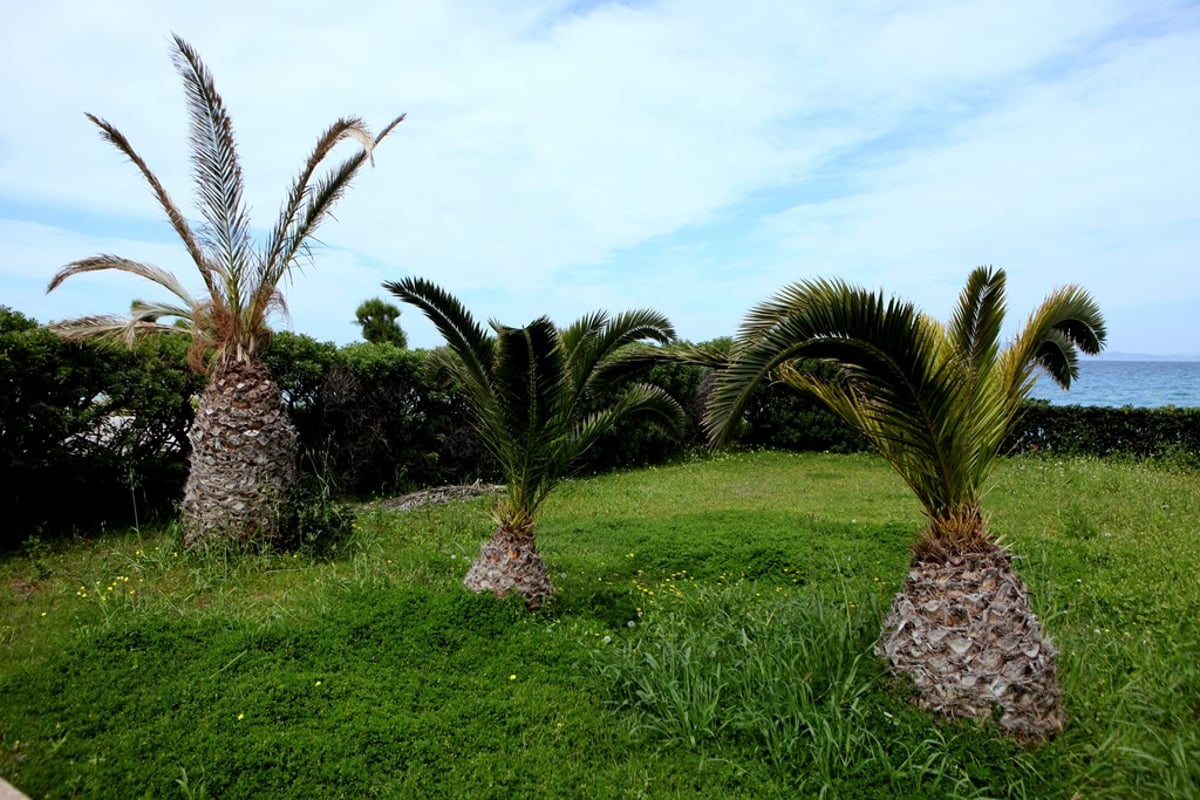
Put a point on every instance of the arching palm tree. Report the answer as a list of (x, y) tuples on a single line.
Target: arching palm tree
[(538, 397), (243, 445), (936, 401)]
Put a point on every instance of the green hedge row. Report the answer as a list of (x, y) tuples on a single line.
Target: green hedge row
[(372, 419), (94, 436), (1097, 431), (90, 436)]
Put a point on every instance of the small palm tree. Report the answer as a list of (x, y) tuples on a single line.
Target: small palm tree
[(243, 460), (937, 402), (540, 397)]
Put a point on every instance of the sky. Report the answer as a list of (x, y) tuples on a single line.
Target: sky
[(693, 157)]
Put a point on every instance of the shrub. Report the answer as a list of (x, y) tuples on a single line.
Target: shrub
[(778, 417), (101, 425), (1098, 431), (373, 418), (315, 524)]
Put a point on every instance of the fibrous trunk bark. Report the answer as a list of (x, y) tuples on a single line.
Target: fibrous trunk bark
[(243, 462), (963, 630), (510, 562)]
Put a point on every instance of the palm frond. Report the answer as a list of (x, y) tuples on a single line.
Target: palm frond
[(114, 137), (111, 328), (582, 333), (896, 387), (105, 261), (469, 341), (1067, 321), (767, 339), (308, 204), (622, 365), (144, 311), (218, 175), (709, 356), (609, 355), (974, 329), (281, 240), (528, 376), (636, 399)]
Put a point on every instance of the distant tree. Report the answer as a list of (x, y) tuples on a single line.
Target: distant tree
[(243, 458), (378, 321)]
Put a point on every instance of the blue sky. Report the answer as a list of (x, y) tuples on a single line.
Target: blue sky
[(690, 156)]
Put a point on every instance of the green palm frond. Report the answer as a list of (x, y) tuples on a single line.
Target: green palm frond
[(531, 389), (892, 387), (974, 329), (813, 320), (583, 340), (708, 355), (623, 364), (528, 378), (1068, 320), (608, 355), (638, 398), (935, 401), (463, 335)]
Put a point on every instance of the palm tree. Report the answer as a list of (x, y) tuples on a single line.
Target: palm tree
[(378, 322), (540, 397), (243, 460), (936, 401)]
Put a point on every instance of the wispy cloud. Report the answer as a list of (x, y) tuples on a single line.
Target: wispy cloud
[(691, 156)]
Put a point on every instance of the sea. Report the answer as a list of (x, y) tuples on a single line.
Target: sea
[(1117, 383)]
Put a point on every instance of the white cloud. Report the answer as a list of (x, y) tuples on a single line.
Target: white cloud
[(691, 156)]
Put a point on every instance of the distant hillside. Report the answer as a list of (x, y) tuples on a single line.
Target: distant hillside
[(1148, 357)]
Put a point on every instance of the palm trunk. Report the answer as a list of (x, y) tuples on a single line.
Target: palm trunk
[(963, 630), (510, 562), (243, 462)]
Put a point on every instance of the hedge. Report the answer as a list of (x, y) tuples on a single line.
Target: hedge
[(372, 419), (106, 426), (90, 435), (1100, 431)]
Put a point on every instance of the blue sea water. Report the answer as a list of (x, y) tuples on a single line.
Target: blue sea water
[(1142, 384)]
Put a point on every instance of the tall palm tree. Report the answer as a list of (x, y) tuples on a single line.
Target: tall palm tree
[(540, 397), (243, 460), (936, 401)]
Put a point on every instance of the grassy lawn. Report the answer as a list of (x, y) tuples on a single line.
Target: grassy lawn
[(712, 638)]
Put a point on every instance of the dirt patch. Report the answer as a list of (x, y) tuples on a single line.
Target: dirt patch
[(24, 590), (436, 495)]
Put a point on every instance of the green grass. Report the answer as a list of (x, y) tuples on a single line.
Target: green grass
[(711, 639)]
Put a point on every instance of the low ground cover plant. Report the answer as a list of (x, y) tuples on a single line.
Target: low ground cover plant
[(712, 637)]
